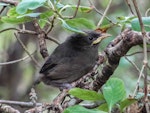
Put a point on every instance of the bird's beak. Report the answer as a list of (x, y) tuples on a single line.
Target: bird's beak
[(99, 39)]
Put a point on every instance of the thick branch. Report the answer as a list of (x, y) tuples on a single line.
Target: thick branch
[(114, 51)]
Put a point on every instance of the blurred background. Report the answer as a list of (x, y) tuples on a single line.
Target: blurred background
[(16, 79)]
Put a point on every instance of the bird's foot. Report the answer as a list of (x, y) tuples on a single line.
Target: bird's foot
[(65, 86)]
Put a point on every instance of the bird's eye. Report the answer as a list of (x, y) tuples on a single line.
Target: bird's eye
[(91, 38)]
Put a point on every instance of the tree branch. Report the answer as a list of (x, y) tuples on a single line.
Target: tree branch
[(114, 51)]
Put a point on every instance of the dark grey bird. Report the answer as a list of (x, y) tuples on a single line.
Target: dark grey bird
[(72, 59)]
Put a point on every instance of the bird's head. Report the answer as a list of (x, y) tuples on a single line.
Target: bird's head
[(89, 38)]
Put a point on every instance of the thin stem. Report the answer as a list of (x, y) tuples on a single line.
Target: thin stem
[(2, 9), (76, 11), (24, 47), (133, 65), (53, 39), (18, 103), (105, 12), (100, 12), (145, 61), (147, 11), (15, 61), (138, 81), (128, 3)]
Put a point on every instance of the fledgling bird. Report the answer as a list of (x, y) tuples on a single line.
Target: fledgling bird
[(72, 59)]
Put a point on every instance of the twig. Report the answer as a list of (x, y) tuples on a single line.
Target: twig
[(9, 29), (145, 60), (15, 61), (30, 32), (52, 25), (24, 47), (2, 9), (53, 39), (18, 103), (100, 12), (147, 11), (76, 11), (128, 3), (105, 12), (136, 53), (11, 2), (138, 81), (133, 65), (19, 31)]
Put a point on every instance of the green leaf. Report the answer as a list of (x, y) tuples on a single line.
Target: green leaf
[(46, 14), (78, 23), (114, 91), (85, 94), (14, 20), (12, 12), (42, 22), (24, 5), (12, 17), (103, 107), (80, 8), (70, 28), (136, 25), (80, 109), (81, 23), (33, 15), (125, 103)]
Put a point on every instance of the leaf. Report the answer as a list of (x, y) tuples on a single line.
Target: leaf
[(12, 12), (14, 20), (24, 5), (33, 15), (114, 91), (136, 25), (84, 9), (103, 107), (127, 102), (12, 17), (81, 23), (70, 28), (80, 109), (85, 94), (46, 14), (42, 22)]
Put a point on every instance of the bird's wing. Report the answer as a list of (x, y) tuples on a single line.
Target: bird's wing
[(54, 59), (49, 64), (69, 70)]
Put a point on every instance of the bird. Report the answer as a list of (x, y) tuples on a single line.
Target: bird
[(72, 59)]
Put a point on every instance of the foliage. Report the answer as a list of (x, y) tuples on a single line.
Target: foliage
[(26, 12), (114, 94)]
